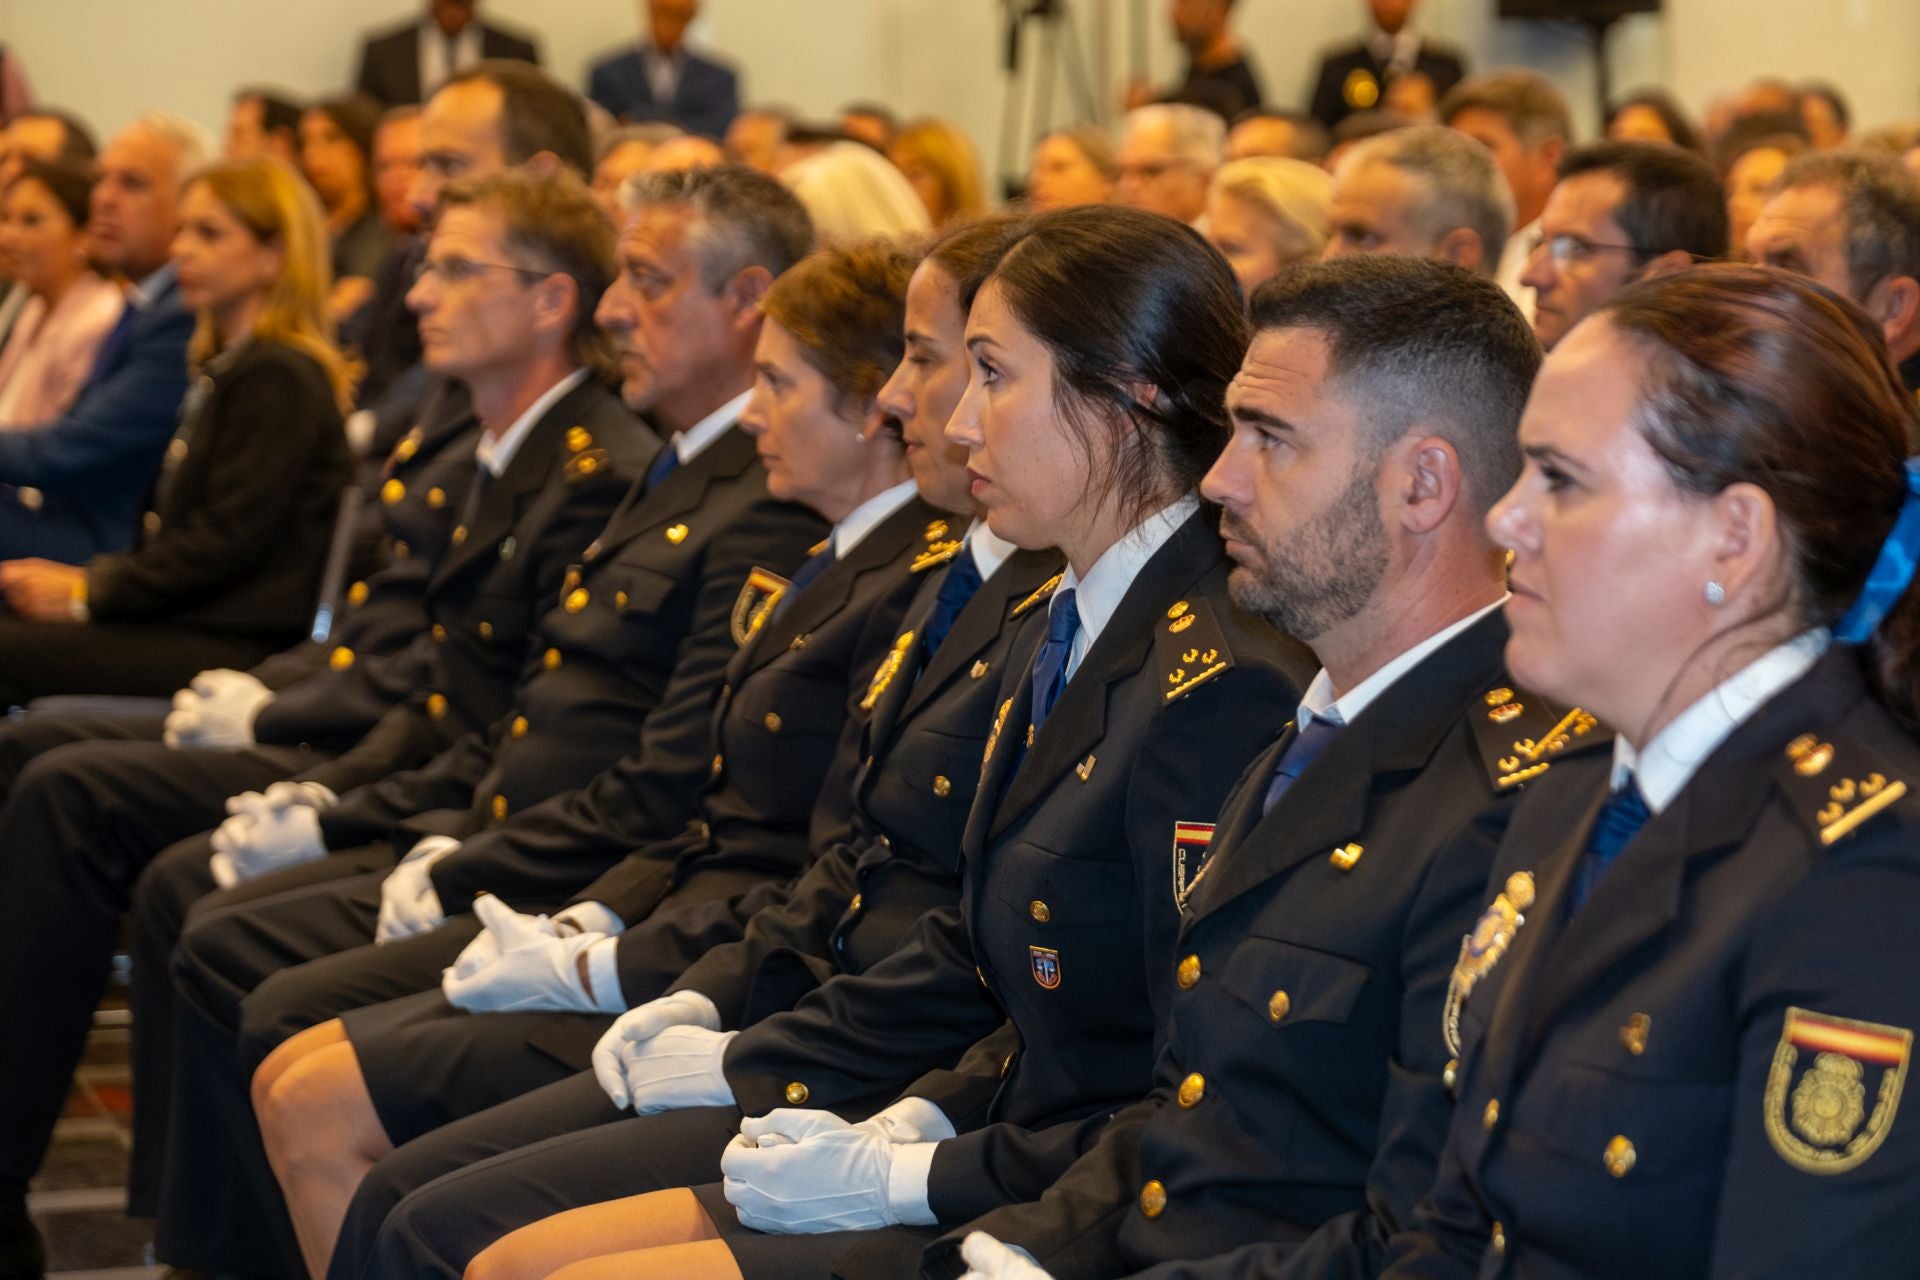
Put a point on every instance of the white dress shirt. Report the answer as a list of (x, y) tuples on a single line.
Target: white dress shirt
[(1319, 702), (496, 452), (1105, 586), (688, 444)]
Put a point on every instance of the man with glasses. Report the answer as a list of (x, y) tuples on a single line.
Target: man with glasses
[(1622, 212), (1168, 153)]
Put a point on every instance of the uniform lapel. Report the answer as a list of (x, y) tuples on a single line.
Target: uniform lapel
[(980, 624), (681, 493)]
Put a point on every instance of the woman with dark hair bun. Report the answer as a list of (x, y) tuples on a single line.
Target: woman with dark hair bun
[(1685, 1023), (1102, 341)]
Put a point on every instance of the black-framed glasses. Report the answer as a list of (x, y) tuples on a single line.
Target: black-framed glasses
[(1567, 249), (457, 271)]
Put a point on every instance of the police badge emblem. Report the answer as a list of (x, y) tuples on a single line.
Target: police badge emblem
[(1825, 1073), (758, 595), (1482, 949)]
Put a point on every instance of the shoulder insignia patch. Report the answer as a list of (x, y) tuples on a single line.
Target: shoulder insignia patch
[(761, 591), (888, 669), (1191, 649), (1831, 801), (1519, 734), (588, 462), (1040, 596), (1833, 1090)]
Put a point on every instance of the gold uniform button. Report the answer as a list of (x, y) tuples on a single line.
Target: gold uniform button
[(1620, 1156), (772, 721), (1188, 973), (437, 706), (392, 491), (1153, 1198), (439, 634), (620, 601), (941, 786), (459, 534), (341, 658), (577, 600), (718, 761), (1279, 1004), (706, 831), (357, 593), (1451, 1075), (486, 630), (1634, 1034), (550, 659), (1192, 1089), (855, 904), (519, 726), (797, 1094), (499, 808), (1499, 1240), (1040, 911), (436, 498), (571, 581), (400, 549), (1491, 1116)]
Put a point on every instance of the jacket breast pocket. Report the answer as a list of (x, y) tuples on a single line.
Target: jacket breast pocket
[(1059, 894), (502, 621), (632, 590), (1288, 984), (1614, 1122)]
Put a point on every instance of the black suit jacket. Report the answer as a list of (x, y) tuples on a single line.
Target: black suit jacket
[(502, 568), (390, 62), (1067, 917), (1299, 1103), (328, 695), (1351, 79), (705, 100), (1698, 1073), (629, 651), (859, 898), (240, 521)]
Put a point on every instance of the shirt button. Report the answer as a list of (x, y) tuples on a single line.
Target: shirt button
[(1153, 1198), (1192, 1089), (1620, 1156), (1040, 911), (772, 721), (942, 787), (796, 1094), (1188, 973), (1491, 1116), (1278, 1005)]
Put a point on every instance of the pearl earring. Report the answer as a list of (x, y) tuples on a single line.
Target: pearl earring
[(1716, 594)]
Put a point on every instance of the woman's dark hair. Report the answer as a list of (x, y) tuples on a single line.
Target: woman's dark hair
[(1662, 104), (357, 117), (1766, 378), (846, 307), (1125, 300), (70, 185), (970, 248)]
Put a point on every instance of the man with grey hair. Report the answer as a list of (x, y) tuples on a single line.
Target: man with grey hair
[(1168, 152), (72, 488), (1425, 192), (1520, 117), (1851, 220)]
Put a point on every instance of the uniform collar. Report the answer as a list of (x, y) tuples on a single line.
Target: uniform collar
[(495, 454), (1319, 703), (866, 517), (990, 551), (688, 444), (1099, 593), (1668, 763)]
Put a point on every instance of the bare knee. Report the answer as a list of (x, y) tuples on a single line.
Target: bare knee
[(289, 1051), (317, 1112)]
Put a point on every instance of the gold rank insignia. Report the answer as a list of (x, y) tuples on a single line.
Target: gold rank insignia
[(586, 463), (1042, 594), (1361, 90), (1833, 1090), (578, 438), (940, 548), (1191, 648), (888, 669), (1482, 949), (1519, 734), (1835, 801), (761, 591)]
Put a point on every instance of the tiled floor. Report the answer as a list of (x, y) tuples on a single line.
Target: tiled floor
[(79, 1198)]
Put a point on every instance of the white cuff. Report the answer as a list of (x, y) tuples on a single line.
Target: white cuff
[(929, 1122), (907, 1183), (603, 965), (594, 917)]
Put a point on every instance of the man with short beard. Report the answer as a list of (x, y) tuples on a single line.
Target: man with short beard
[(1302, 1089)]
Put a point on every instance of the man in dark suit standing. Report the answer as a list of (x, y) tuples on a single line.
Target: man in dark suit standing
[(1395, 67), (663, 80), (399, 67)]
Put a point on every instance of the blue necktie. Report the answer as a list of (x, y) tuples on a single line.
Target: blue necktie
[(1620, 819), (663, 466), (1300, 753), (962, 580), (1050, 663), (816, 564)]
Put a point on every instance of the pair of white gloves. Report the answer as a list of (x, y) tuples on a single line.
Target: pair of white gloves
[(216, 709)]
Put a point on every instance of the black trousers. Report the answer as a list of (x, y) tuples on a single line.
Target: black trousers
[(81, 821), (152, 659)]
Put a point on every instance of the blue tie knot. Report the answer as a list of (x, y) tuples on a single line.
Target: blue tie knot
[(962, 580), (1306, 745), (1619, 821), (663, 466), (1050, 663)]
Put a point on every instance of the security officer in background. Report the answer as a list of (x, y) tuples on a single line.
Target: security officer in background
[(1299, 1102), (1395, 68)]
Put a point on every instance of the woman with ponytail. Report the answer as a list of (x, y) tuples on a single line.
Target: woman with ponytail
[(1686, 1022)]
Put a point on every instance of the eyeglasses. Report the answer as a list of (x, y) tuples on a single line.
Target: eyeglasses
[(458, 271), (1565, 250)]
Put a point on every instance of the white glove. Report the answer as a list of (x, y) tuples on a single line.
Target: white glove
[(582, 917), (796, 1172), (988, 1259), (409, 903), (269, 830), (535, 970), (621, 1060), (216, 709)]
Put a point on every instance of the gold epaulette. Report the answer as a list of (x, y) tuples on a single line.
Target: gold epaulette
[(941, 547), (1191, 648), (1834, 800), (1040, 596), (1519, 734), (758, 594)]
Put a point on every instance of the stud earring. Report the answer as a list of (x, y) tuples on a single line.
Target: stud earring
[(1716, 594)]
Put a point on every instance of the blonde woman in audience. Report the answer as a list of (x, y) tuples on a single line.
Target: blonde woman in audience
[(43, 242), (939, 160), (1265, 213), (852, 191), (1072, 166)]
